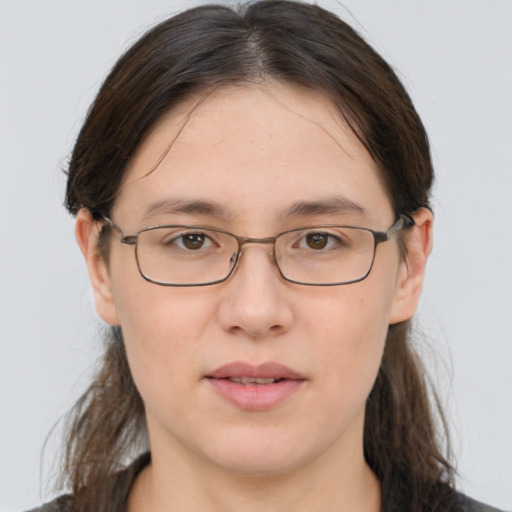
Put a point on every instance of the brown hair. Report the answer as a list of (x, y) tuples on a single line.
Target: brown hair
[(204, 48)]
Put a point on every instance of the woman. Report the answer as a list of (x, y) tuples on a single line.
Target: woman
[(273, 178)]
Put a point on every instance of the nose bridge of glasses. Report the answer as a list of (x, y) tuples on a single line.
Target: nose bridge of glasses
[(244, 241)]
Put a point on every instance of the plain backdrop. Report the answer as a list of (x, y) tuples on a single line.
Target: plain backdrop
[(454, 57)]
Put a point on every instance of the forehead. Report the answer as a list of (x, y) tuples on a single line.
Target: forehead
[(252, 149)]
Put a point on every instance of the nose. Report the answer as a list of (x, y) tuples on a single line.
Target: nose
[(254, 299)]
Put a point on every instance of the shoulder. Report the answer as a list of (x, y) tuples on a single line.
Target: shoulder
[(470, 505), (111, 497), (60, 504)]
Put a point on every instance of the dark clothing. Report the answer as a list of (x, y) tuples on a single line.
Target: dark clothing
[(62, 505), (126, 478)]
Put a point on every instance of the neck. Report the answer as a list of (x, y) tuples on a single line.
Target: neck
[(328, 483)]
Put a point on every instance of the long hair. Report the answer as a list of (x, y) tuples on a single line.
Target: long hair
[(193, 53)]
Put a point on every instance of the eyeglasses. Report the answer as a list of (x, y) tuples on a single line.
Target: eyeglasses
[(324, 255)]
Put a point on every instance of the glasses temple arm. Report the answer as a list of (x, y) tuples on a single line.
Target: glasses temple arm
[(111, 224)]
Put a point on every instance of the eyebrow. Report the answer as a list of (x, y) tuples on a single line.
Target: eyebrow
[(328, 206), (187, 207)]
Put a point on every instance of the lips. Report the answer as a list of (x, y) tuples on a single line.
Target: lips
[(269, 370), (255, 387)]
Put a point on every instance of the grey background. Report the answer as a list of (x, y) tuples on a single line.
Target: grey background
[(455, 59)]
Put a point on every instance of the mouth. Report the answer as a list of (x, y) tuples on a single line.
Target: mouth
[(254, 381), (255, 387), (247, 373)]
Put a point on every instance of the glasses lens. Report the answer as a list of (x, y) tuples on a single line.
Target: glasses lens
[(185, 256), (325, 255), (188, 256)]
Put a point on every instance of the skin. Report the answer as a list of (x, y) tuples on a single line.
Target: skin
[(255, 150)]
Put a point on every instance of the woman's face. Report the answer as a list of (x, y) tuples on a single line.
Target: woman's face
[(255, 161)]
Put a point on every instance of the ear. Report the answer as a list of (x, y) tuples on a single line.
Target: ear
[(87, 231), (411, 274)]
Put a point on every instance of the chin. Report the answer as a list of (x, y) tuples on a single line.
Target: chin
[(267, 455)]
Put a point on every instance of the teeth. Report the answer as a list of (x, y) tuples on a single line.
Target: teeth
[(252, 380)]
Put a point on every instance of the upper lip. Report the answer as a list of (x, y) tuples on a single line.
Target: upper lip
[(258, 371)]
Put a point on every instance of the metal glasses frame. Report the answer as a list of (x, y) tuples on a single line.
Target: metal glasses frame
[(403, 222)]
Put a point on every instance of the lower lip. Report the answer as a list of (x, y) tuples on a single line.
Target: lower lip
[(257, 397)]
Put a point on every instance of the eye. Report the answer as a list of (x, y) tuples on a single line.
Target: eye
[(318, 241), (192, 241)]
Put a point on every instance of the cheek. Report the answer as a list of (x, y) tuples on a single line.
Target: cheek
[(354, 336), (163, 330), (349, 327)]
